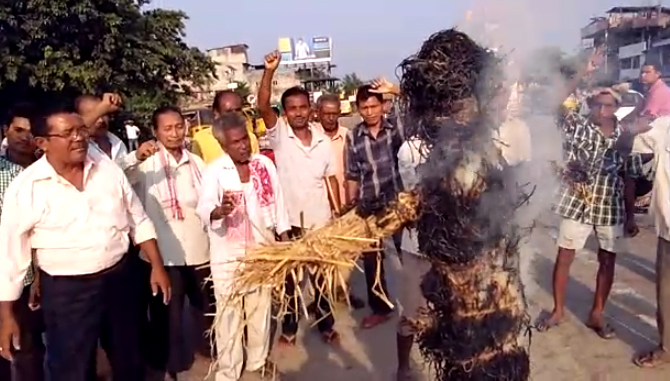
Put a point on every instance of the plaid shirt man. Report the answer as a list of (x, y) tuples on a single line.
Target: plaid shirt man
[(8, 171), (373, 162), (584, 143)]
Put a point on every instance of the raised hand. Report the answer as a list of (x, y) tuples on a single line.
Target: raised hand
[(382, 86), (272, 60), (112, 102)]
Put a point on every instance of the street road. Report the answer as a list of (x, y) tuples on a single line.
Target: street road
[(570, 352)]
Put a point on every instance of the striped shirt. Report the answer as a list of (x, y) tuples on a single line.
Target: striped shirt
[(372, 162), (9, 171)]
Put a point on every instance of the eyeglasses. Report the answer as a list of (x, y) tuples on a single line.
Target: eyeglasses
[(71, 134)]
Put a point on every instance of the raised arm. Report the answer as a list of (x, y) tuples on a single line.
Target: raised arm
[(583, 72), (272, 61)]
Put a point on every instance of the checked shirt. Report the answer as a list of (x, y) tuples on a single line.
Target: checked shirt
[(584, 143), (8, 171)]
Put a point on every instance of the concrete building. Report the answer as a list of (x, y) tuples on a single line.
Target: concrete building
[(284, 79), (233, 67), (630, 35)]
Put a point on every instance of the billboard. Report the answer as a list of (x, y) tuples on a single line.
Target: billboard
[(305, 50)]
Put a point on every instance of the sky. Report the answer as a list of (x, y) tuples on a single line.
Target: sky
[(370, 37)]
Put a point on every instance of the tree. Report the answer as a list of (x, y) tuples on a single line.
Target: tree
[(53, 50), (350, 83), (242, 89), (334, 88)]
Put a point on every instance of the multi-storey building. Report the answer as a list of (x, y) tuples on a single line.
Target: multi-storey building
[(630, 36)]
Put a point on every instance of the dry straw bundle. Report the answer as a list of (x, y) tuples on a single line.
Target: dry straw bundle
[(321, 252)]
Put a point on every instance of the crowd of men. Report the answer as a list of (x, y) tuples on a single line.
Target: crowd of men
[(101, 246)]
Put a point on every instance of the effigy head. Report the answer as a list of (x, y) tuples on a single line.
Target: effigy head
[(451, 78)]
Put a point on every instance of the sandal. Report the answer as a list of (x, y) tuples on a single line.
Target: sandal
[(653, 358), (331, 337), (604, 330)]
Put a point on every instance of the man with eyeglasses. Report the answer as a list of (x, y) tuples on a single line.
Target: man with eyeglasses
[(76, 212), (596, 198), (19, 154)]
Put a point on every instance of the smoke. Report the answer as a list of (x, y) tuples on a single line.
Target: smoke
[(519, 30)]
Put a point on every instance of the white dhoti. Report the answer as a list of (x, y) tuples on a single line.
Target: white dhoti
[(254, 314)]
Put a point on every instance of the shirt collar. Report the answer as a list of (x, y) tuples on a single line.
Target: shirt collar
[(362, 129), (317, 135), (44, 171), (117, 145)]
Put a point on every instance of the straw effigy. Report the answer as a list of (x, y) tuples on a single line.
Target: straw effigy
[(454, 96)]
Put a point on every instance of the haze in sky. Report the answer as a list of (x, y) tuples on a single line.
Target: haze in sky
[(370, 37)]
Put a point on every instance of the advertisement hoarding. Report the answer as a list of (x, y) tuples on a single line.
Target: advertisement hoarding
[(305, 50)]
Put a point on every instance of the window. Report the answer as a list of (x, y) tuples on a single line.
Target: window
[(274, 83), (626, 63), (665, 55), (636, 62)]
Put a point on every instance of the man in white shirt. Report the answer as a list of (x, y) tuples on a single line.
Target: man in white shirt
[(654, 138), (242, 203), (132, 134), (168, 184), (76, 213), (306, 164)]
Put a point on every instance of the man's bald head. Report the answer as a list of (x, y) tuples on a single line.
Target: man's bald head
[(226, 101)]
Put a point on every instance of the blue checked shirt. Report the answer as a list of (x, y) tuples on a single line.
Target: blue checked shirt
[(373, 162), (8, 171), (584, 143)]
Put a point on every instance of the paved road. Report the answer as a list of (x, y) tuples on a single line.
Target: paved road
[(569, 352)]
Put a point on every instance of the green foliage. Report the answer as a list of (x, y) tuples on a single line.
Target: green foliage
[(242, 90), (350, 83), (54, 50)]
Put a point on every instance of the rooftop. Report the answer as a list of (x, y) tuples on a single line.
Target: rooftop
[(638, 9)]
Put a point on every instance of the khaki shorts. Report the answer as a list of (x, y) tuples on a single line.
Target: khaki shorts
[(573, 235), (411, 300)]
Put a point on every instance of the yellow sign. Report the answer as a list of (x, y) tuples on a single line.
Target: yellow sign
[(284, 45)]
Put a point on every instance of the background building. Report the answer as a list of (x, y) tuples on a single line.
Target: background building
[(630, 35)]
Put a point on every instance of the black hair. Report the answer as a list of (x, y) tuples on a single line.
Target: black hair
[(294, 92), (328, 98), (164, 110), (365, 92), (220, 94), (85, 97), (653, 62), (20, 110), (39, 122)]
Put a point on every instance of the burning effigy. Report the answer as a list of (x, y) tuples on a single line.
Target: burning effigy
[(453, 93)]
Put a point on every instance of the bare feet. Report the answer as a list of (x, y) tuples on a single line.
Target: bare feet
[(549, 321)]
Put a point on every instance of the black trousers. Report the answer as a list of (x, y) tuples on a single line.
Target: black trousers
[(171, 347), (372, 265), (81, 310), (29, 361), (324, 316)]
